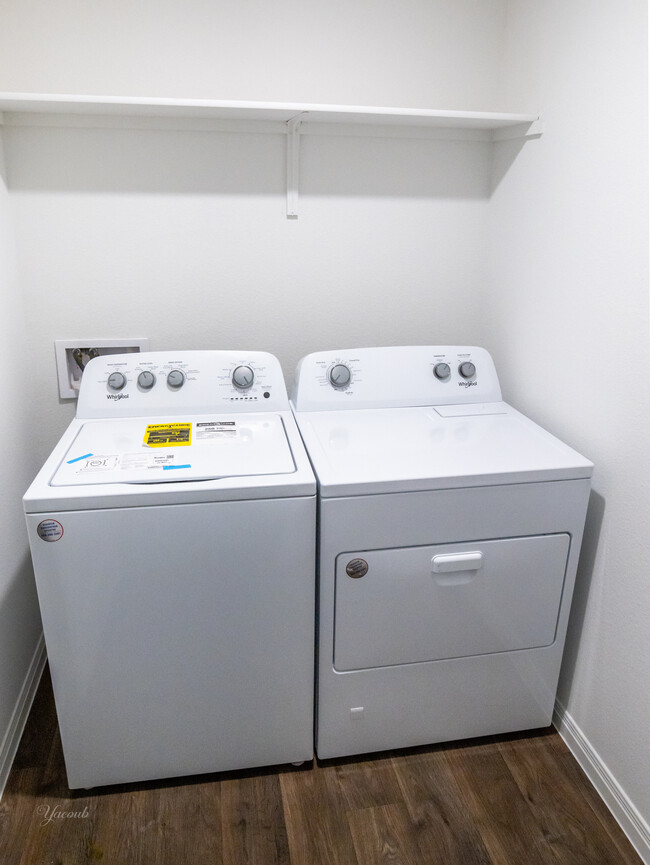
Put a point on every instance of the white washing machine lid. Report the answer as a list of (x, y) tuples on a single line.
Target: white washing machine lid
[(160, 450), (169, 460), (369, 451)]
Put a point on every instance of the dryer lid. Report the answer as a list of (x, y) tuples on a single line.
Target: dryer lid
[(358, 452), (158, 450)]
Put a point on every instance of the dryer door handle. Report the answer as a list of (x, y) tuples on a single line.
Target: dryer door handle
[(457, 562)]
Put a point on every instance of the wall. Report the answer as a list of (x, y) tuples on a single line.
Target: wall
[(20, 626), (567, 319), (427, 53)]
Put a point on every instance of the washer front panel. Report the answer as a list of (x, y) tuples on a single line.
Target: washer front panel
[(180, 639)]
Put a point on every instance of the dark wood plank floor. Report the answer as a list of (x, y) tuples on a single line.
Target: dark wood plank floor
[(509, 800)]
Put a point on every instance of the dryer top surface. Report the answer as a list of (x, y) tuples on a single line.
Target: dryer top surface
[(360, 452)]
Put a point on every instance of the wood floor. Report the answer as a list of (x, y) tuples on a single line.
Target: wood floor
[(511, 800)]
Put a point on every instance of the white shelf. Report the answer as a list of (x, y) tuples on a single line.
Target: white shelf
[(36, 103), (292, 119)]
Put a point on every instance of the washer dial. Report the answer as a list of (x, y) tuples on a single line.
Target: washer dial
[(340, 375), (442, 370), (116, 380), (176, 378), (467, 369), (243, 377), (146, 380)]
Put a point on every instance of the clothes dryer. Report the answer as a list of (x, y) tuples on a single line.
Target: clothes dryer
[(172, 534), (449, 532)]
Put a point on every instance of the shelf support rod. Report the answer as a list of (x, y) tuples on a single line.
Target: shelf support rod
[(293, 164)]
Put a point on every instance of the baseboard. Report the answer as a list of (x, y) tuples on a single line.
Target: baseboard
[(610, 791), (21, 711)]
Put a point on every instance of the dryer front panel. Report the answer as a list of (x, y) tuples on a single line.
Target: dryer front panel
[(428, 603)]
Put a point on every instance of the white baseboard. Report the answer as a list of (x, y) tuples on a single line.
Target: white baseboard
[(610, 791), (14, 732)]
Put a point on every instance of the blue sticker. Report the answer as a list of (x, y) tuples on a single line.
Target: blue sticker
[(76, 459), (187, 466)]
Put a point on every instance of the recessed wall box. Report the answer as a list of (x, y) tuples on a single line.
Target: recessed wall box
[(73, 354)]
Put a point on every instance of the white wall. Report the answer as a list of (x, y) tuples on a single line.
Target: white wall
[(567, 319), (429, 53), (20, 626)]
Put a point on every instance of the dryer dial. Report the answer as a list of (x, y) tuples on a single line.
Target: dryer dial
[(340, 375), (243, 377)]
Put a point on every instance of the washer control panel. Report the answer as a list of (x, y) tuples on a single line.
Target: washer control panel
[(395, 376), (201, 382)]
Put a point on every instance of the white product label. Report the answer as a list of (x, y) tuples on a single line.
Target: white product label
[(99, 463), (139, 461)]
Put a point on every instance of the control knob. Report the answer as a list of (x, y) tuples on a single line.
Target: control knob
[(243, 377), (340, 375), (146, 380), (116, 380), (442, 370), (176, 378), (467, 369)]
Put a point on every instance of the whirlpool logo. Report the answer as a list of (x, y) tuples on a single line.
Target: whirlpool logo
[(467, 384), (117, 396)]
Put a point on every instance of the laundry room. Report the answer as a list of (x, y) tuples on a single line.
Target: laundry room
[(302, 177)]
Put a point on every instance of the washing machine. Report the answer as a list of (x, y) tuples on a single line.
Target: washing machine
[(172, 532), (449, 528)]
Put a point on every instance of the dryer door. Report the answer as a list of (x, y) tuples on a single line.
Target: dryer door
[(414, 604)]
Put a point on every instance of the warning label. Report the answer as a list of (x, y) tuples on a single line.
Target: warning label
[(49, 530), (217, 429), (164, 435)]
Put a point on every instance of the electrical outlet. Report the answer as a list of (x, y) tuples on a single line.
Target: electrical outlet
[(73, 354)]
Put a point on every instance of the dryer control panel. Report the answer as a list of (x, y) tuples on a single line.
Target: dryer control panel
[(198, 382), (394, 377)]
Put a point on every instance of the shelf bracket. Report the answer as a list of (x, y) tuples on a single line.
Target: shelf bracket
[(293, 164), (525, 131)]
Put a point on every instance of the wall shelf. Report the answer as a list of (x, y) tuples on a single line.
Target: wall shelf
[(292, 119)]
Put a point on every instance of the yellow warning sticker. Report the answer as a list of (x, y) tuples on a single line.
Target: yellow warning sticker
[(168, 435)]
